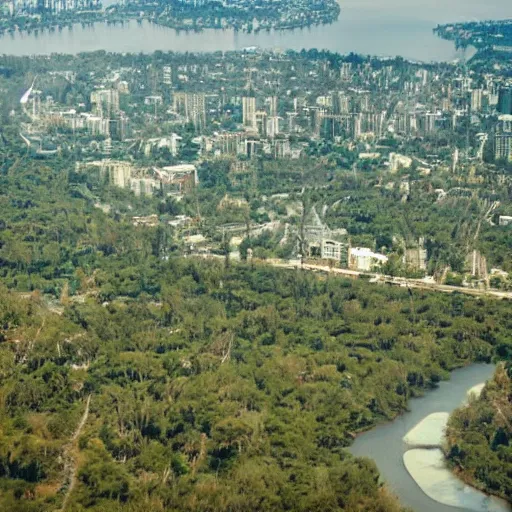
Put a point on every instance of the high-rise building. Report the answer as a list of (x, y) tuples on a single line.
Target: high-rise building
[(346, 70), (180, 103), (505, 100), (272, 126), (503, 146), (400, 124), (455, 159), (374, 123), (292, 122), (272, 106), (429, 122), (357, 127), (119, 128), (261, 122), (503, 139), (167, 75), (252, 148), (36, 105), (340, 103), (412, 122), (422, 74), (192, 106), (476, 100), (23, 7), (230, 143), (364, 103), (249, 113), (105, 102)]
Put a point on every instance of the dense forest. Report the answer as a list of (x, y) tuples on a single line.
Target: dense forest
[(134, 382), (133, 378), (479, 437)]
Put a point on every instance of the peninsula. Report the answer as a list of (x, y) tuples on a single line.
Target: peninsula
[(242, 15)]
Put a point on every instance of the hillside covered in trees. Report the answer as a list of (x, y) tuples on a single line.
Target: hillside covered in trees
[(134, 382), (480, 437)]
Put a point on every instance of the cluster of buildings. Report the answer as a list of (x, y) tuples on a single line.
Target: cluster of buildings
[(503, 138), (176, 180), (104, 118), (366, 104), (247, 108), (282, 109), (24, 7), (503, 131)]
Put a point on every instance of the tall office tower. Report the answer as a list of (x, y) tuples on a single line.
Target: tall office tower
[(422, 74), (261, 122), (192, 106), (272, 126), (429, 122), (249, 113), (476, 100), (196, 110), (180, 103), (167, 75), (503, 146), (503, 138), (340, 103), (455, 159), (316, 120), (272, 105), (364, 103), (119, 128), (346, 70), (466, 83), (105, 102), (400, 122), (344, 104), (357, 127), (377, 123), (292, 121), (412, 122), (505, 100), (504, 124)]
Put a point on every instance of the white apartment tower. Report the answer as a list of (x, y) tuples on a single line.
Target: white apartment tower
[(192, 107), (249, 113), (105, 102), (167, 75), (503, 139), (476, 100)]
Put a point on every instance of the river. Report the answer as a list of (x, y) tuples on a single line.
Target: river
[(376, 27), (384, 444)]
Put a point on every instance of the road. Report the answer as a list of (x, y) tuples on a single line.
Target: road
[(396, 281), (377, 278)]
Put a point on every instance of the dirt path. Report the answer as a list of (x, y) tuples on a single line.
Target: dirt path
[(70, 462)]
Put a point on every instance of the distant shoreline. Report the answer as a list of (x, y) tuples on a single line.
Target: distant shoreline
[(289, 15)]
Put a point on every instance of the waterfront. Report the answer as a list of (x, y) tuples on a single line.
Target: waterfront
[(390, 28), (386, 446)]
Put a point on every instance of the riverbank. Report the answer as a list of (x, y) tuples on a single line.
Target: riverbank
[(429, 470), (384, 443), (426, 461), (485, 464)]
